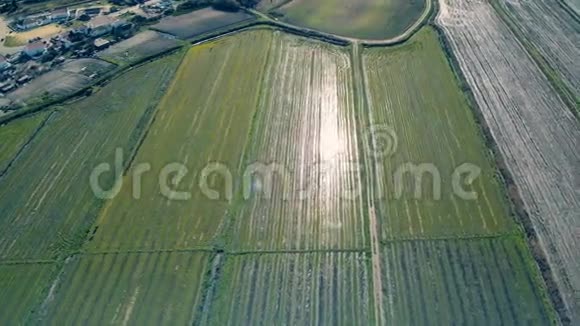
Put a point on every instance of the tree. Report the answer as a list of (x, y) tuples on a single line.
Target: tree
[(225, 5), (248, 3), (8, 6)]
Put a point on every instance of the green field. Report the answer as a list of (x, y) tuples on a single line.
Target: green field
[(204, 118), (415, 106), (468, 282), (246, 104), (293, 289), (15, 135), (413, 92), (305, 126), (122, 289), (21, 290), (46, 201), (366, 19)]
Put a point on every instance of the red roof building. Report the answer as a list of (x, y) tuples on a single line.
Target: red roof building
[(35, 49)]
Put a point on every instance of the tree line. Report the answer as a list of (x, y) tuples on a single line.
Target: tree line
[(227, 5), (8, 6)]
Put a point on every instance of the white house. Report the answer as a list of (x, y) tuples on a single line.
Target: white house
[(102, 25)]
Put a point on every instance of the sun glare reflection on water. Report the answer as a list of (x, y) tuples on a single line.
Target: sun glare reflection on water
[(332, 149)]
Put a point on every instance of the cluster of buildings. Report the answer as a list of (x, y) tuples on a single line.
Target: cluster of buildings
[(98, 26), (59, 16), (97, 31), (11, 75), (155, 8), (150, 10), (41, 55), (33, 21)]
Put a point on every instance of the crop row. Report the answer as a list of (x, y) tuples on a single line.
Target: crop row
[(477, 282), (203, 121), (431, 145), (265, 100), (253, 115), (46, 202), (305, 130), (292, 289), (535, 133), (21, 290), (555, 33), (472, 282), (121, 289), (15, 136)]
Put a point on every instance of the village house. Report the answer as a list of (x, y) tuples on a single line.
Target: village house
[(24, 79), (7, 87), (102, 25), (91, 12), (60, 15), (81, 30), (4, 64), (31, 22), (35, 49), (34, 21), (66, 41), (101, 43)]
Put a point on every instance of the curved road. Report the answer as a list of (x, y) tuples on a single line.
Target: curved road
[(395, 40)]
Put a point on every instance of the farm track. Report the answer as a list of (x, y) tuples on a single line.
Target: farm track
[(535, 133), (359, 77), (225, 252), (218, 250)]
